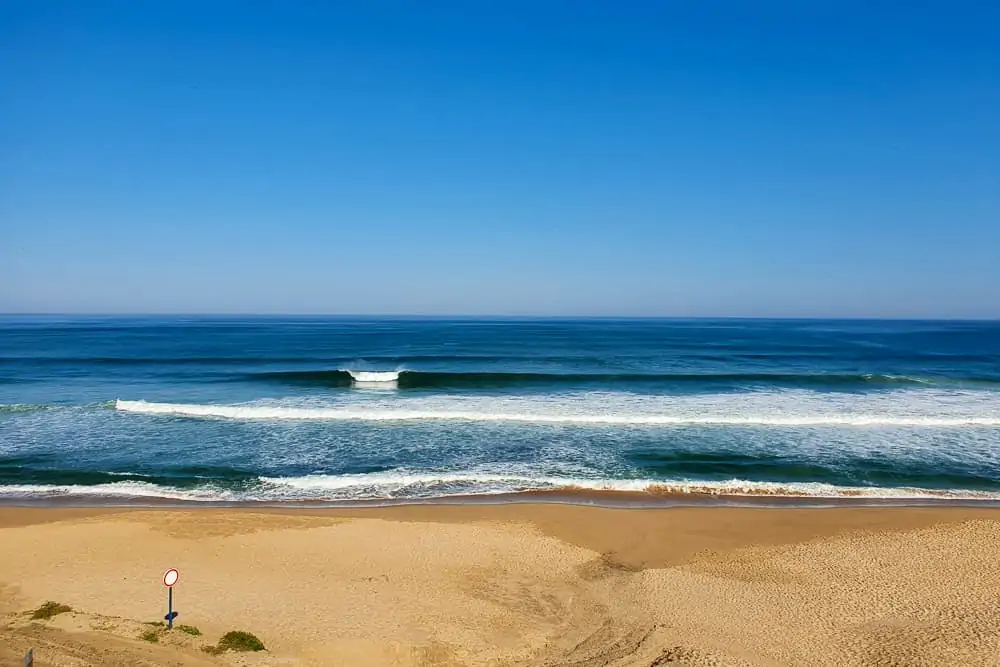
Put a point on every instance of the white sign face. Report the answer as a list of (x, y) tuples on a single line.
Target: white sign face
[(170, 577)]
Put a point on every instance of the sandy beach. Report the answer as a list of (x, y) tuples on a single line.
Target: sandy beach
[(516, 584)]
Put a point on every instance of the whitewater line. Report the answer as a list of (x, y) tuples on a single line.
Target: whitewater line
[(403, 487), (267, 413)]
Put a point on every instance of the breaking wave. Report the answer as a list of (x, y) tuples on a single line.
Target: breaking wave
[(682, 414), (373, 377)]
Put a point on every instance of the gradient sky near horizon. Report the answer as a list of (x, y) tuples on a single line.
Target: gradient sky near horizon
[(513, 158)]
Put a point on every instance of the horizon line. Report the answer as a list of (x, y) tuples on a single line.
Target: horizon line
[(458, 316)]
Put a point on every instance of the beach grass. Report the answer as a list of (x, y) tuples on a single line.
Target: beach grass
[(50, 609), (189, 629), (151, 636), (238, 640)]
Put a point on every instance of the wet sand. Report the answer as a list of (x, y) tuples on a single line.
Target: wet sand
[(515, 584)]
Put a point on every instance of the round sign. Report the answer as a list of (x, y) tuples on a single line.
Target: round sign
[(170, 577)]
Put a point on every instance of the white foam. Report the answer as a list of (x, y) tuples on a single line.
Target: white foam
[(680, 417), (116, 490), (386, 485), (374, 377), (416, 486)]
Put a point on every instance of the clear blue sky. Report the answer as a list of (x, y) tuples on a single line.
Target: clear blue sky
[(541, 158)]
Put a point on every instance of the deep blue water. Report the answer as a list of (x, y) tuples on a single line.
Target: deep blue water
[(345, 409)]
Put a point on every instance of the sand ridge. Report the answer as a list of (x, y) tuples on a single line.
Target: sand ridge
[(516, 585)]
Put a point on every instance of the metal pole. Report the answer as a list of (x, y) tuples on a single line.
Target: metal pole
[(170, 608)]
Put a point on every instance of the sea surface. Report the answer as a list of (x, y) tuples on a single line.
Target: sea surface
[(145, 410)]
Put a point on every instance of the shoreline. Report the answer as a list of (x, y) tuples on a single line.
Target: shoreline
[(572, 497)]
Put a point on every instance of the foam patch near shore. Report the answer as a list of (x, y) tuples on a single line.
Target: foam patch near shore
[(431, 486)]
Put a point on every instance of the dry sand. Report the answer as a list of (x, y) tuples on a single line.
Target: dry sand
[(509, 585)]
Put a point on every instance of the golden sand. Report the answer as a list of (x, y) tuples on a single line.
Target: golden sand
[(517, 584)]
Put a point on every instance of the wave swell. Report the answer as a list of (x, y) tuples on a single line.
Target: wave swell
[(411, 379), (21, 407)]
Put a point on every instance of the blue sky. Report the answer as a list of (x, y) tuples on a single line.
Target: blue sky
[(544, 158)]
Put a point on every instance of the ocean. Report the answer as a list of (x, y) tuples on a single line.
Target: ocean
[(143, 410)]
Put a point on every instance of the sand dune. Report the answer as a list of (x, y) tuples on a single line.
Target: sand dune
[(509, 585)]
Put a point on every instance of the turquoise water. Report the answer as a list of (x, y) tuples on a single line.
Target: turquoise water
[(337, 409)]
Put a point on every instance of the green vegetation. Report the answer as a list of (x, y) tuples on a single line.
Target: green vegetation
[(155, 624), (237, 640), (190, 629), (50, 609), (151, 636)]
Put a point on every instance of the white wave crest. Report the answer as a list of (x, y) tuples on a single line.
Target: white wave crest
[(374, 377), (360, 413)]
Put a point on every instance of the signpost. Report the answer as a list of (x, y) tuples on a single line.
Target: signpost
[(169, 579), (29, 658)]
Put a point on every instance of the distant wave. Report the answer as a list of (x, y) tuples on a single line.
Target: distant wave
[(358, 413), (418, 487), (411, 379)]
